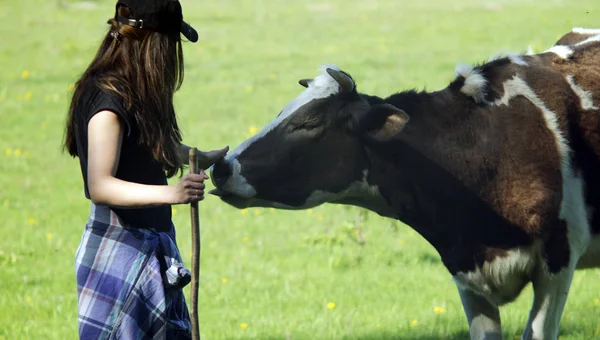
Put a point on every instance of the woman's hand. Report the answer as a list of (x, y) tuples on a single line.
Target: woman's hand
[(190, 188)]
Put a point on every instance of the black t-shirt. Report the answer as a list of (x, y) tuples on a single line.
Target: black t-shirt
[(136, 163)]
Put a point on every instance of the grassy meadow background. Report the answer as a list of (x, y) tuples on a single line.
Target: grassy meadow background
[(332, 272)]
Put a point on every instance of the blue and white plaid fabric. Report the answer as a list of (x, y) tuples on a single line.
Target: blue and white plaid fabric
[(129, 282)]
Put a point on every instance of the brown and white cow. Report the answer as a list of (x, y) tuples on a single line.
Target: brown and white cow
[(499, 171)]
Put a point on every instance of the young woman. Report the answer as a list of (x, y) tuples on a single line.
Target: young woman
[(122, 127)]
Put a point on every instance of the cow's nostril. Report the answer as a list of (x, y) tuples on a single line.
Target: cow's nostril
[(220, 173)]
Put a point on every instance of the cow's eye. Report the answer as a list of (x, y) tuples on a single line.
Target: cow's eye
[(308, 125)]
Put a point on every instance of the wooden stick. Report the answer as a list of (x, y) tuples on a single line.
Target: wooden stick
[(195, 252)]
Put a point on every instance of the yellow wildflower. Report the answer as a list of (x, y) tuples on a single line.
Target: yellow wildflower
[(252, 130), (256, 212), (71, 87), (401, 241), (174, 211), (244, 325), (31, 221), (309, 211), (413, 322), (27, 95), (244, 211), (597, 302), (25, 74), (597, 332), (28, 298), (49, 236), (17, 152), (223, 280), (7, 151), (271, 209), (439, 310), (246, 239), (331, 305)]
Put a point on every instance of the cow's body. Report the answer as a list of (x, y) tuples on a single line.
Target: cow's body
[(498, 171)]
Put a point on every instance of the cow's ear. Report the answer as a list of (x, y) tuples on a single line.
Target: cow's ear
[(383, 122)]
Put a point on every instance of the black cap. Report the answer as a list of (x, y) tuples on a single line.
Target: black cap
[(163, 16)]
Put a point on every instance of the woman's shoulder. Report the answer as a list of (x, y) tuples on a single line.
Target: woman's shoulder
[(97, 95)]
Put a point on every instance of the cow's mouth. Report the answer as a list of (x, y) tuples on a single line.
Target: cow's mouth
[(231, 198), (219, 193), (240, 202)]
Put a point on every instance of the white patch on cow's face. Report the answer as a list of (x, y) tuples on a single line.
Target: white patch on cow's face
[(581, 30), (585, 97), (474, 85), (237, 183), (562, 51), (322, 86)]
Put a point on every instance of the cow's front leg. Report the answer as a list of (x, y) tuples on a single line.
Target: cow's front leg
[(483, 317), (550, 293)]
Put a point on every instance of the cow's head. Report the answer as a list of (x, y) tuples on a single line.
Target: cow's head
[(313, 152)]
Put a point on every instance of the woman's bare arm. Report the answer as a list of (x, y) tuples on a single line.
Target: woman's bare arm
[(105, 134)]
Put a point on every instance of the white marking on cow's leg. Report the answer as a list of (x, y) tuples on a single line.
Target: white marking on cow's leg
[(530, 50), (574, 211), (585, 97), (581, 30), (483, 317), (562, 51), (550, 295), (474, 85)]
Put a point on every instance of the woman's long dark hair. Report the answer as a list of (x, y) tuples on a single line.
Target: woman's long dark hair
[(145, 69)]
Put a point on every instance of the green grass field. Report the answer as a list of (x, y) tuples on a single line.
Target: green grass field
[(266, 274)]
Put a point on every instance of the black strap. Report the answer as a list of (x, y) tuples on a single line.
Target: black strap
[(131, 22)]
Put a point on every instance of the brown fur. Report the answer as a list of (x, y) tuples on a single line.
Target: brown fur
[(480, 177)]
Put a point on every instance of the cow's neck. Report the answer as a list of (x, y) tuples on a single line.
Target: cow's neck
[(434, 179)]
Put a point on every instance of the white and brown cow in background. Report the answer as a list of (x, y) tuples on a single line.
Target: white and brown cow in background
[(499, 171)]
